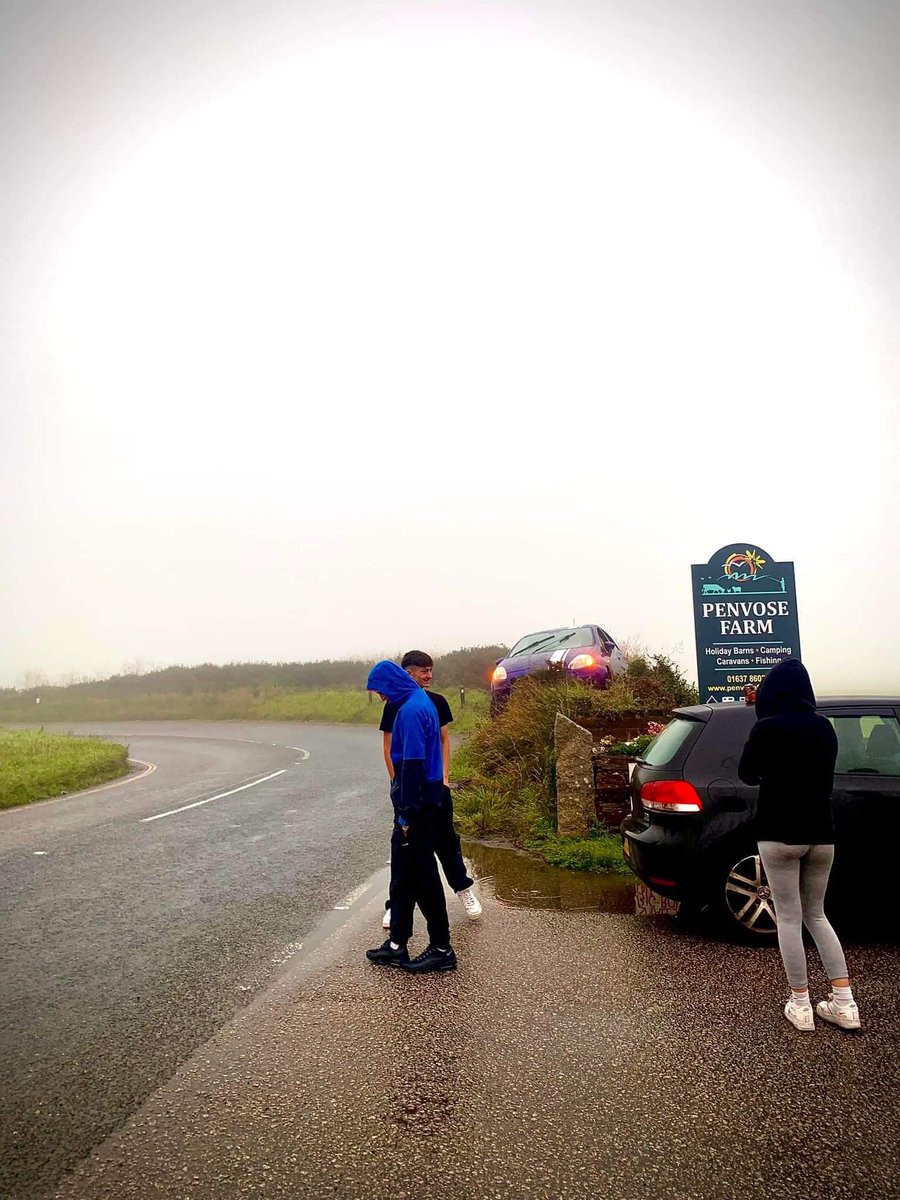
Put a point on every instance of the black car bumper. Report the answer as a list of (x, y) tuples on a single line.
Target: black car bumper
[(660, 860)]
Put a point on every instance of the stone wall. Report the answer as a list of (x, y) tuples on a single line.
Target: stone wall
[(592, 787), (575, 805)]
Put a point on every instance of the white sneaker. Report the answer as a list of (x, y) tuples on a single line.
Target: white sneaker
[(470, 903), (800, 1016), (386, 919), (845, 1015)]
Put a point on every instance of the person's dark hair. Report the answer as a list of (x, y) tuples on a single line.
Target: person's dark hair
[(416, 658)]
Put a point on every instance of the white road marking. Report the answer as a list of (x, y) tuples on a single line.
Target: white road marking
[(289, 951), (351, 899), (300, 750), (209, 799), (40, 851)]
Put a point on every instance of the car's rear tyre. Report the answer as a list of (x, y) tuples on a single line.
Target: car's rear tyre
[(743, 900)]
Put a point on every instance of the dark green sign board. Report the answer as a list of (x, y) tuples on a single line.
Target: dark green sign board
[(745, 619)]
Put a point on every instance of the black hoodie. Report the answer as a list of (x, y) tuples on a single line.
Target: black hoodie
[(791, 754)]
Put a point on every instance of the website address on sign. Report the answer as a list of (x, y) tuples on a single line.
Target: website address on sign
[(734, 682)]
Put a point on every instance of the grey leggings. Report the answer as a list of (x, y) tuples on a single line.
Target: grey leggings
[(798, 877)]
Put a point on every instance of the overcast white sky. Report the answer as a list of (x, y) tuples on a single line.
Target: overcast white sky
[(334, 329)]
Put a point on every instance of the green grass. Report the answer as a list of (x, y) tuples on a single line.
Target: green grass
[(35, 766), (264, 703), (600, 852)]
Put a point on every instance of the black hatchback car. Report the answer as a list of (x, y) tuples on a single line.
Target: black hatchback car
[(690, 836)]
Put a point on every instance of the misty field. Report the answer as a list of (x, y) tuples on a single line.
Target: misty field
[(34, 766), (324, 706)]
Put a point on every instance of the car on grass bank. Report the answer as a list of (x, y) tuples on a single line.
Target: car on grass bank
[(585, 652), (689, 835)]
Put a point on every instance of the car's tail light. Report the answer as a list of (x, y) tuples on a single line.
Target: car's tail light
[(582, 661), (671, 795), (499, 675)]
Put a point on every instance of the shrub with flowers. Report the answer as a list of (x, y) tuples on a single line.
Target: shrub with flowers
[(507, 768)]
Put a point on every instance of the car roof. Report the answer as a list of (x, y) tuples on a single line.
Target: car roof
[(704, 711), (558, 629)]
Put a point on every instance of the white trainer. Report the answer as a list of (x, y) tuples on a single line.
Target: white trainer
[(386, 919), (800, 1016), (844, 1015), (470, 903)]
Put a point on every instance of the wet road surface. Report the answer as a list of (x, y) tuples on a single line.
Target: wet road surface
[(575, 1053), (126, 943), (189, 996)]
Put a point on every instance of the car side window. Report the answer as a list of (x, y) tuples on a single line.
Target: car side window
[(867, 745), (606, 639)]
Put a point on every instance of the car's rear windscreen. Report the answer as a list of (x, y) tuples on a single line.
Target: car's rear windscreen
[(666, 745)]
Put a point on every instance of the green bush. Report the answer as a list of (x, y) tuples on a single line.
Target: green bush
[(507, 769)]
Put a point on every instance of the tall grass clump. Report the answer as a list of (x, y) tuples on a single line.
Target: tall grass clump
[(507, 768), (35, 766)]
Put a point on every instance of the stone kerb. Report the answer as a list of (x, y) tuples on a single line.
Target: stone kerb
[(575, 807)]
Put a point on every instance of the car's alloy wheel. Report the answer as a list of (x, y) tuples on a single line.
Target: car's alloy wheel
[(748, 898)]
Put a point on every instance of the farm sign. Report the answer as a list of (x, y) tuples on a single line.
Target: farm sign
[(745, 619)]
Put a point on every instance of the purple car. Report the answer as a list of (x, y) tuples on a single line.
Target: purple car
[(587, 653)]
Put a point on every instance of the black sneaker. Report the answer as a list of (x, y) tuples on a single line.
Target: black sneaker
[(431, 959), (384, 956)]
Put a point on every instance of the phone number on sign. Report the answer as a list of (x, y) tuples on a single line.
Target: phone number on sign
[(745, 678)]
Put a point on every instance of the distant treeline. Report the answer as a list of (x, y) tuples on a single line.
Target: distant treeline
[(468, 667)]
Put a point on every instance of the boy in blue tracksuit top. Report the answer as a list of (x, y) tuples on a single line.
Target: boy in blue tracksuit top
[(417, 792)]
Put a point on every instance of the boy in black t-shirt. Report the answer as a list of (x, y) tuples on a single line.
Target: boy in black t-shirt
[(420, 667)]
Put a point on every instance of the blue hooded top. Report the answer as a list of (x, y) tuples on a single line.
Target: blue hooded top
[(791, 754), (415, 740)]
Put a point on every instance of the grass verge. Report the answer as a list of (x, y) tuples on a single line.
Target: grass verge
[(35, 766), (602, 851), (326, 706)]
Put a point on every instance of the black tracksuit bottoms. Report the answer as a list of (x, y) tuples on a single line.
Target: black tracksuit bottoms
[(415, 880), (447, 847)]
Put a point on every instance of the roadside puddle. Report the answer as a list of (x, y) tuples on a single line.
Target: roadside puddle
[(524, 881), (519, 879)]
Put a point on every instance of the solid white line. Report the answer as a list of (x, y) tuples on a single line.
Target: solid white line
[(209, 799)]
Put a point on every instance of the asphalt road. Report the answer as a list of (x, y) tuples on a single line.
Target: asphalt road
[(126, 943), (573, 1055), (164, 1035)]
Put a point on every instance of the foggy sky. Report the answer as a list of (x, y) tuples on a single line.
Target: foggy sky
[(340, 328)]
